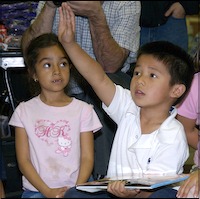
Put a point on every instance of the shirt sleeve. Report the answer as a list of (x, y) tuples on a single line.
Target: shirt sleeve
[(90, 120), (189, 107), (126, 30)]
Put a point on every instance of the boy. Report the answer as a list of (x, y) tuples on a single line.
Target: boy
[(148, 135)]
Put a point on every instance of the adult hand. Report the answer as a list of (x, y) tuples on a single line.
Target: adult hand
[(85, 8), (176, 10), (190, 184), (118, 189)]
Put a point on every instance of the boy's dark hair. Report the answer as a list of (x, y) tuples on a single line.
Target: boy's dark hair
[(177, 61), (32, 52)]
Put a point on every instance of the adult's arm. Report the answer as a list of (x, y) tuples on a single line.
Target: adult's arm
[(182, 8), (2, 192), (190, 130), (109, 53), (190, 7), (42, 24)]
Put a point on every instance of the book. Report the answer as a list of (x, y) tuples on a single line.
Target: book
[(134, 182)]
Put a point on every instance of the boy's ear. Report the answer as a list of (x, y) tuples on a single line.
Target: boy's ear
[(178, 90)]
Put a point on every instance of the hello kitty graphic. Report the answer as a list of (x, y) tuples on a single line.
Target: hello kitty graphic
[(64, 145), (55, 134)]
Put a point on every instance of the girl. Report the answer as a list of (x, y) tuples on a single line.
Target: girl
[(53, 132)]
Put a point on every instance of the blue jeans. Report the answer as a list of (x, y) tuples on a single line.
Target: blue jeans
[(174, 31), (32, 194), (164, 193), (74, 193)]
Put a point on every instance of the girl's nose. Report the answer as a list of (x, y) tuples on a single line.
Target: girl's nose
[(56, 70)]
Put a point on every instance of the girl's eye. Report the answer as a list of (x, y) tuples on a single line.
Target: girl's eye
[(47, 65), (153, 75), (64, 64)]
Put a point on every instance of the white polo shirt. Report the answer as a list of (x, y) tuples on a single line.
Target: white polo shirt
[(163, 151)]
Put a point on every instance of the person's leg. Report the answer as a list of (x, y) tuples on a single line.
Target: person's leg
[(146, 35), (174, 31), (32, 194), (164, 193), (74, 193)]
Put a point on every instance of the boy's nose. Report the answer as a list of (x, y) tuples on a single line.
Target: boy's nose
[(141, 80)]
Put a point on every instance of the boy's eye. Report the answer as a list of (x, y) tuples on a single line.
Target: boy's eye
[(136, 73), (153, 75)]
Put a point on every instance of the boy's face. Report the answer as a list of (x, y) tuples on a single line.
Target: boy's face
[(150, 85), (52, 68)]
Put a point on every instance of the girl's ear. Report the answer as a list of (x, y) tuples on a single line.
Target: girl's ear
[(177, 90), (34, 77)]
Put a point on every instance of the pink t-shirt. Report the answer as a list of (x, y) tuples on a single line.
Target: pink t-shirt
[(190, 108), (54, 138)]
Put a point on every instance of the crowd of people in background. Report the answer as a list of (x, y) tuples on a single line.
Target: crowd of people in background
[(112, 34)]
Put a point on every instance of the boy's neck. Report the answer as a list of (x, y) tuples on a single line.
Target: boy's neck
[(152, 120)]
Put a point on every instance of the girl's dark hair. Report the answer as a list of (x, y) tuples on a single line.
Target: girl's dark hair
[(177, 61), (32, 52)]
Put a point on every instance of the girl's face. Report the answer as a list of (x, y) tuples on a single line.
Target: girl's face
[(150, 85), (52, 69)]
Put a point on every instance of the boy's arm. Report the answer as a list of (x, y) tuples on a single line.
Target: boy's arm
[(42, 24), (87, 66)]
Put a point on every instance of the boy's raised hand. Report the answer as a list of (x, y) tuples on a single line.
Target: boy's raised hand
[(66, 28)]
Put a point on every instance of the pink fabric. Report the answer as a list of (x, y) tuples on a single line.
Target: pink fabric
[(54, 138), (190, 108)]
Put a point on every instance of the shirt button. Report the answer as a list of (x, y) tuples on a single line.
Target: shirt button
[(136, 136)]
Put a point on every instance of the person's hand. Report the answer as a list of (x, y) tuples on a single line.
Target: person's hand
[(85, 8), (118, 189), (188, 185), (176, 10), (66, 28), (57, 192)]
